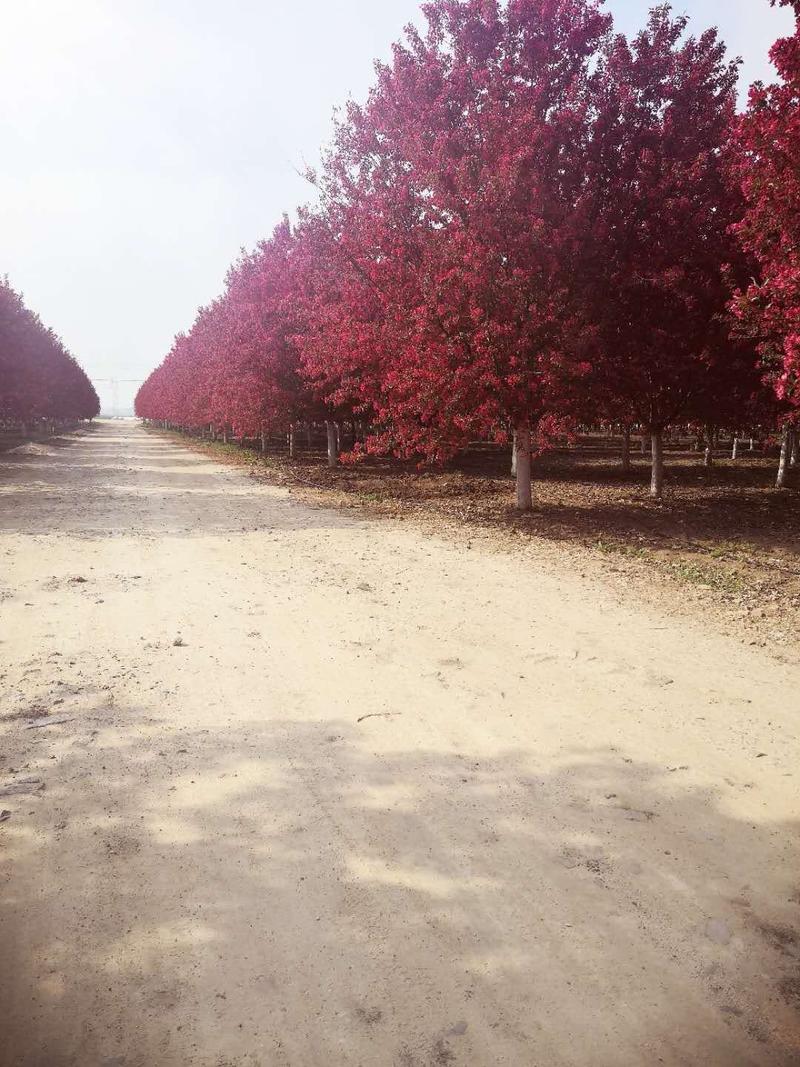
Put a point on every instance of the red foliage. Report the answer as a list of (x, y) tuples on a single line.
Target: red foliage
[(39, 379), (769, 170), (238, 367), (664, 205), (453, 223), (529, 219)]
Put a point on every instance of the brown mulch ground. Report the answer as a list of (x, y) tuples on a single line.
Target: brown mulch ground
[(724, 535)]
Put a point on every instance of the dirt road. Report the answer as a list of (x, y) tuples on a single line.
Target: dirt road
[(292, 788)]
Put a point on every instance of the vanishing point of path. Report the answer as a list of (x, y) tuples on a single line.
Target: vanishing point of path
[(317, 790)]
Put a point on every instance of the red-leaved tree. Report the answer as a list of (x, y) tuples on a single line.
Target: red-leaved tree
[(769, 170), (39, 378), (664, 206), (238, 367), (453, 215)]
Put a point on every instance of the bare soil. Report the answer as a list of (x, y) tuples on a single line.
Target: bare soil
[(284, 784), (724, 536)]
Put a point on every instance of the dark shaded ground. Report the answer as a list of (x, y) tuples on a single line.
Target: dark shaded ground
[(179, 966)]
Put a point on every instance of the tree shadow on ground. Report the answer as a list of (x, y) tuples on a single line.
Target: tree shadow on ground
[(294, 892)]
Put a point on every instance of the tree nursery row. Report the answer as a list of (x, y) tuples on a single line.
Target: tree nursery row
[(532, 223), (41, 384)]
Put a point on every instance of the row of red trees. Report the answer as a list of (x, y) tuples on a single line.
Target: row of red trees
[(39, 380), (531, 222)]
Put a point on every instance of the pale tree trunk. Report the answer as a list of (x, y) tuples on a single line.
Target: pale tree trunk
[(292, 442), (783, 462), (644, 445), (514, 454), (735, 448), (752, 445), (708, 459), (333, 443), (225, 435), (657, 465), (263, 441), (626, 449), (794, 449), (522, 449)]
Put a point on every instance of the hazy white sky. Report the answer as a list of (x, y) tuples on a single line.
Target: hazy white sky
[(145, 141)]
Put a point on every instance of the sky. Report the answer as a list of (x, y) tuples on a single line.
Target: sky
[(144, 142)]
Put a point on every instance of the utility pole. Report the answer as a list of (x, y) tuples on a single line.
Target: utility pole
[(115, 384)]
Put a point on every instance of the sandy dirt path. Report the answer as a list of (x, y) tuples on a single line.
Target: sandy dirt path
[(392, 800)]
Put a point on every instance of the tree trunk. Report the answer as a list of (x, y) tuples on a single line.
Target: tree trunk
[(626, 449), (225, 435), (333, 443), (644, 445), (708, 459), (783, 462), (292, 442), (657, 465), (752, 445), (735, 448), (794, 449), (522, 450), (514, 454), (263, 441)]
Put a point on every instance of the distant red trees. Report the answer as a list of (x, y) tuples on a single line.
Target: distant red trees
[(529, 221), (39, 379), (238, 369)]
